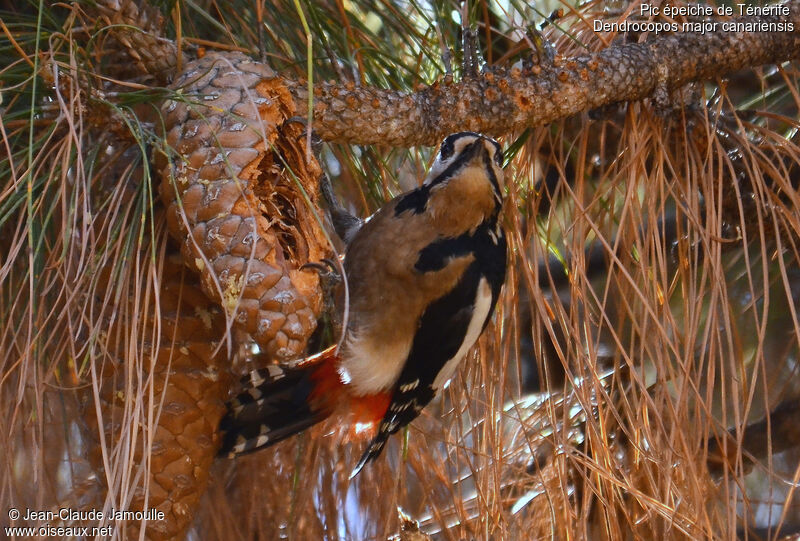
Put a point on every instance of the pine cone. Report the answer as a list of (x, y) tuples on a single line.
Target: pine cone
[(177, 428), (138, 46), (233, 202)]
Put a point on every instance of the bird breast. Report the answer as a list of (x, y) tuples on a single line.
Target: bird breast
[(388, 296), (462, 203)]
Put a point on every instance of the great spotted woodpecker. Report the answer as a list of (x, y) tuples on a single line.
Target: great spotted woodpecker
[(424, 273)]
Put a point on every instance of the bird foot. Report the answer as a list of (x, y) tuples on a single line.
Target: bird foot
[(326, 268)]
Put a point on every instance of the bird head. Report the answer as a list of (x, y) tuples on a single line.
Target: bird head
[(468, 155)]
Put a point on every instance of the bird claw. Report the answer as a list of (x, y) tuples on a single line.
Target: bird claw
[(297, 119), (316, 141), (327, 269), (470, 47), (329, 278)]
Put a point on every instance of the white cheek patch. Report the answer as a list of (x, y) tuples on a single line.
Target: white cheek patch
[(436, 169), (483, 304)]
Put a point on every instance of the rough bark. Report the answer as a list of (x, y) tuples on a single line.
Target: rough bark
[(504, 99), (501, 100)]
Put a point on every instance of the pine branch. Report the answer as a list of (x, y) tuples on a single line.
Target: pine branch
[(502, 100)]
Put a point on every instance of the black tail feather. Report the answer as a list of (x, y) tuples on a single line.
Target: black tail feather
[(274, 407), (373, 451)]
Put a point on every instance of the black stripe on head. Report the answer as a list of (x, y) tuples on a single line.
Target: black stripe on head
[(490, 171), (416, 200), (447, 148), (498, 155), (448, 145), (467, 154)]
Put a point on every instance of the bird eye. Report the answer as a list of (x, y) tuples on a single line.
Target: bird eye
[(449, 144), (498, 154), (447, 149)]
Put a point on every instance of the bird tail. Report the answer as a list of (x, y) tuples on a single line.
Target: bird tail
[(280, 402), (373, 451)]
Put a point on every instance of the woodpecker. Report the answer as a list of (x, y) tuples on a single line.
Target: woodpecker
[(424, 274)]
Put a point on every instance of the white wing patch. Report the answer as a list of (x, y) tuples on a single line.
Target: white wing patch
[(483, 304)]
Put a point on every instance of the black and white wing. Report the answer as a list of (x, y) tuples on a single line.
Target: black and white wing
[(448, 328)]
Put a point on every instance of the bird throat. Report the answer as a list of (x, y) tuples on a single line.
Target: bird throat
[(463, 203)]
